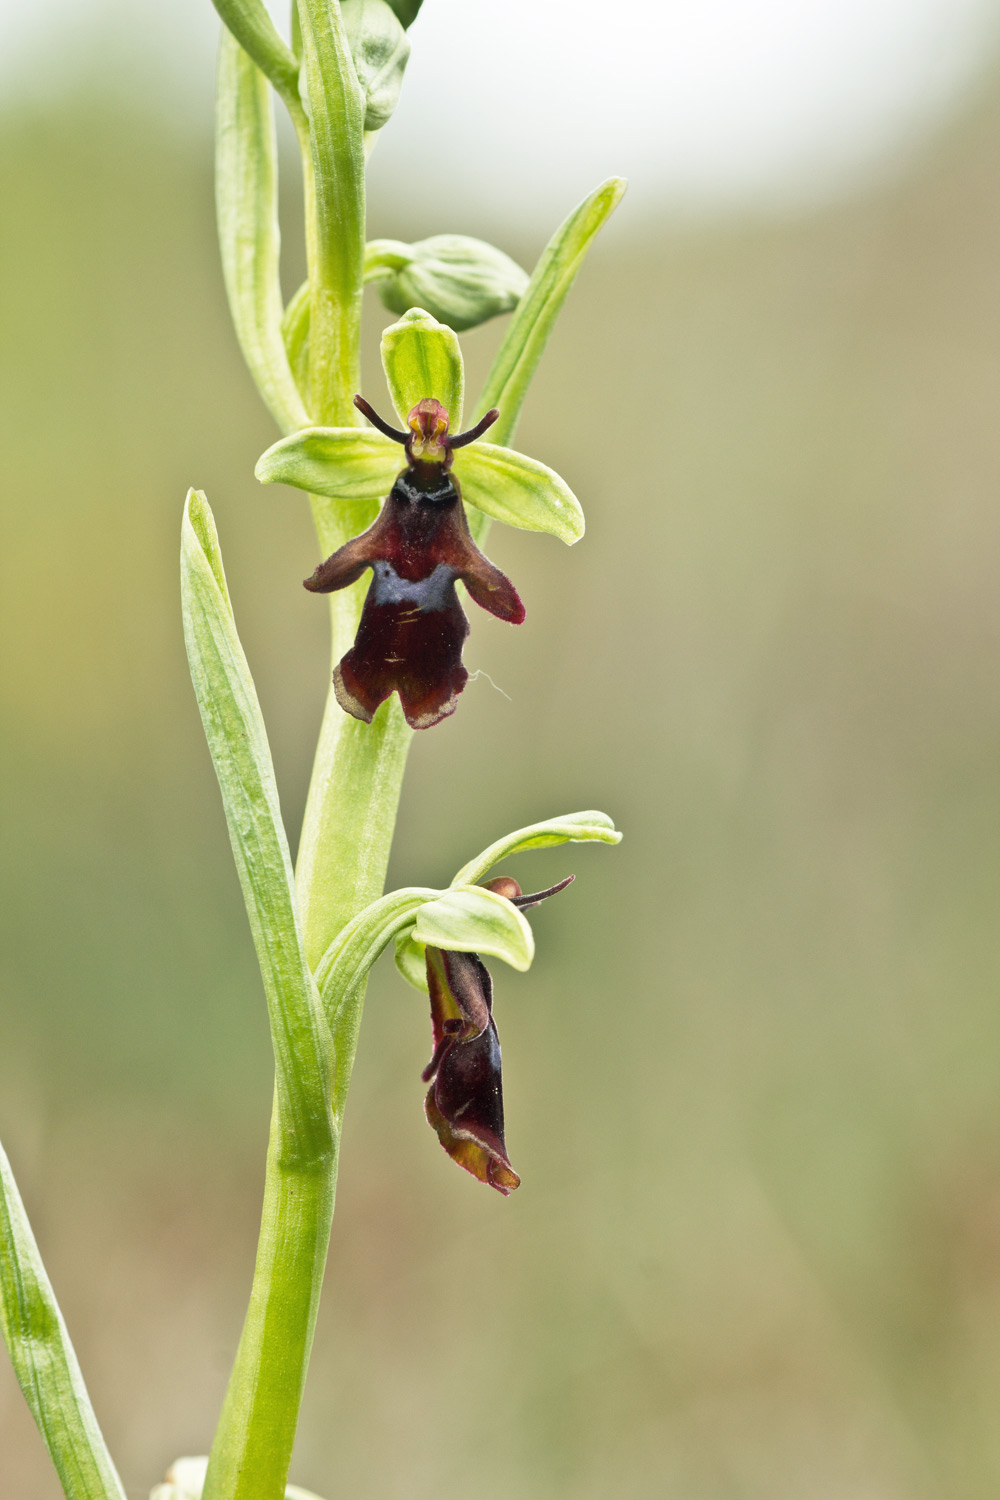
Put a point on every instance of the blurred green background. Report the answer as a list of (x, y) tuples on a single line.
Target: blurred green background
[(753, 1080)]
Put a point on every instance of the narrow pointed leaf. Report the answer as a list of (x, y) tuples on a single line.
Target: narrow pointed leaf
[(248, 21), (468, 919), (237, 739), (43, 1358), (421, 357), (571, 828), (246, 190), (346, 463), (519, 491), (530, 326)]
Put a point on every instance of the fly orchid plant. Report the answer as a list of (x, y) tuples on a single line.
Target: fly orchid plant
[(397, 650)]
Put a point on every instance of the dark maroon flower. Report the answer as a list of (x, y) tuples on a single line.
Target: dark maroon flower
[(412, 626), (465, 1100)]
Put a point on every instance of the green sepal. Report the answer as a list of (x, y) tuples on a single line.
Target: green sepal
[(186, 1480), (406, 10), (345, 463), (411, 960), (518, 491), (381, 50), (529, 328), (469, 919), (246, 196), (571, 828), (44, 1360), (249, 22), (460, 280), (421, 357)]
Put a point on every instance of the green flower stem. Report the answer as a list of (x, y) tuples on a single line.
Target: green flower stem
[(358, 771), (335, 218), (253, 1443), (350, 814), (43, 1358), (351, 808)]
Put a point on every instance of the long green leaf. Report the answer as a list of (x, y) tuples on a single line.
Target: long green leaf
[(43, 1358), (238, 742), (246, 192), (248, 21), (530, 326)]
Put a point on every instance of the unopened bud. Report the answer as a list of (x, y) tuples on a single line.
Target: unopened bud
[(459, 280), (381, 50)]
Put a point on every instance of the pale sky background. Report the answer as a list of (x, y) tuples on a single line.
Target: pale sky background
[(703, 104)]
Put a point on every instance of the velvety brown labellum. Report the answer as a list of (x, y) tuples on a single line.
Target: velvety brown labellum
[(465, 1101), (412, 626)]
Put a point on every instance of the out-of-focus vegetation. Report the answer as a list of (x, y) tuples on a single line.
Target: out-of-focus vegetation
[(753, 1081)]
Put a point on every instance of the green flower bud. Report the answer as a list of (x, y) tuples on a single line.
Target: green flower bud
[(461, 281), (381, 50)]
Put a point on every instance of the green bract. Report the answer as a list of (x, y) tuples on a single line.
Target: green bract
[(460, 280), (529, 329), (422, 358), (251, 25)]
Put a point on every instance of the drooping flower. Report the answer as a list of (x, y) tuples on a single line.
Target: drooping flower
[(465, 1101), (412, 626)]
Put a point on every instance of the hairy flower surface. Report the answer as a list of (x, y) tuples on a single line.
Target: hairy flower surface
[(465, 1101), (413, 627)]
